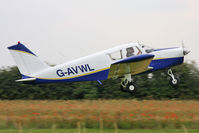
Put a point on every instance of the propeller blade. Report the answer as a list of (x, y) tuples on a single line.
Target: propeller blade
[(185, 51)]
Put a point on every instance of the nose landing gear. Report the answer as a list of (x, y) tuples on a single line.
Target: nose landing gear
[(173, 81), (127, 84)]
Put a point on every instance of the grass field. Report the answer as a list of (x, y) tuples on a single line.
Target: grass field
[(94, 131), (99, 114)]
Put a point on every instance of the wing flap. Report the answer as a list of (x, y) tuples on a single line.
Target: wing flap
[(132, 65)]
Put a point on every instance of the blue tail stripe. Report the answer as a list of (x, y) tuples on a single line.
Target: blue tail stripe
[(25, 76), (21, 47)]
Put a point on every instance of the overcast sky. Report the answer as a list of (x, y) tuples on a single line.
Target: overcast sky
[(62, 30)]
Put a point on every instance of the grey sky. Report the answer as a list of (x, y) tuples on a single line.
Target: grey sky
[(63, 30)]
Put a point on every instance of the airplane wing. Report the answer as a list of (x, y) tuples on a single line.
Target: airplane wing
[(131, 65)]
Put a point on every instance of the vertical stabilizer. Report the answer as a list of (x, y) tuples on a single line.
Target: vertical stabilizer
[(27, 62)]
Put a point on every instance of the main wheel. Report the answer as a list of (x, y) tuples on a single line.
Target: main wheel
[(131, 87), (123, 89), (174, 82)]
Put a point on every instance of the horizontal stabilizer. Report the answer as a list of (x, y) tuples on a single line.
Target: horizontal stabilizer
[(26, 80)]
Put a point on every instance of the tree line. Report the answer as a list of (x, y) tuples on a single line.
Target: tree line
[(153, 86)]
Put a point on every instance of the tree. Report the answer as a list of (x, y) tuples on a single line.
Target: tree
[(156, 87)]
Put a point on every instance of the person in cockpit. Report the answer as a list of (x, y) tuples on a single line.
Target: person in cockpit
[(130, 52)]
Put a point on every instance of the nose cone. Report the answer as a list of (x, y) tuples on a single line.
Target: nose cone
[(186, 51)]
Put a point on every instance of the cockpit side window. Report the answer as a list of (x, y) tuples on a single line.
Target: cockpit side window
[(132, 51), (116, 55)]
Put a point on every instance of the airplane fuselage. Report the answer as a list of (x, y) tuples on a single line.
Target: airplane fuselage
[(97, 66)]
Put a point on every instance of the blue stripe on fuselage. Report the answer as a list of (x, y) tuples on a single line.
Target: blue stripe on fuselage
[(166, 63), (102, 75)]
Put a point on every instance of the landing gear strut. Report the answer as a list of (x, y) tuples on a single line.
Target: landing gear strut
[(173, 81), (127, 84)]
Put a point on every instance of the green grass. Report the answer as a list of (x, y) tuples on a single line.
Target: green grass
[(92, 131)]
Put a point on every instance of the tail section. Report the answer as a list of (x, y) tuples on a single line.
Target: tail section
[(27, 62)]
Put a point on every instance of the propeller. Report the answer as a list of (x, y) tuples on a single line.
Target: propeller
[(185, 50)]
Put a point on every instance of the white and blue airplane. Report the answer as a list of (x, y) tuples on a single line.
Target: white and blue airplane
[(123, 62)]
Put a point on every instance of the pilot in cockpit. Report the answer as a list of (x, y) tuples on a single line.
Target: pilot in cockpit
[(129, 52)]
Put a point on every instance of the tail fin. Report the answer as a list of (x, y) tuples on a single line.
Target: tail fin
[(27, 62)]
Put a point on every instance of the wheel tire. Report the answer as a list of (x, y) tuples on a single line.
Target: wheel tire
[(131, 87), (123, 89), (175, 83)]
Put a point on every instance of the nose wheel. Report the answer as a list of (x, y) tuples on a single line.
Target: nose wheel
[(127, 84), (173, 81)]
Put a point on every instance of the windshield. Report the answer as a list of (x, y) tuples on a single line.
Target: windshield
[(147, 48)]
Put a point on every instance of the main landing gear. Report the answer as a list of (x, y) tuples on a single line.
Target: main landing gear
[(127, 84), (173, 81)]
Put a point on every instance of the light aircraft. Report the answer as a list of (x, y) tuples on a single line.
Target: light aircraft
[(123, 62)]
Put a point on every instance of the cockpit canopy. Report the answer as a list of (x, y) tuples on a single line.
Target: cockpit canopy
[(129, 50), (124, 52)]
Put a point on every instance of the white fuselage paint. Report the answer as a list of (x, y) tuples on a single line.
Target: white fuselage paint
[(98, 62)]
